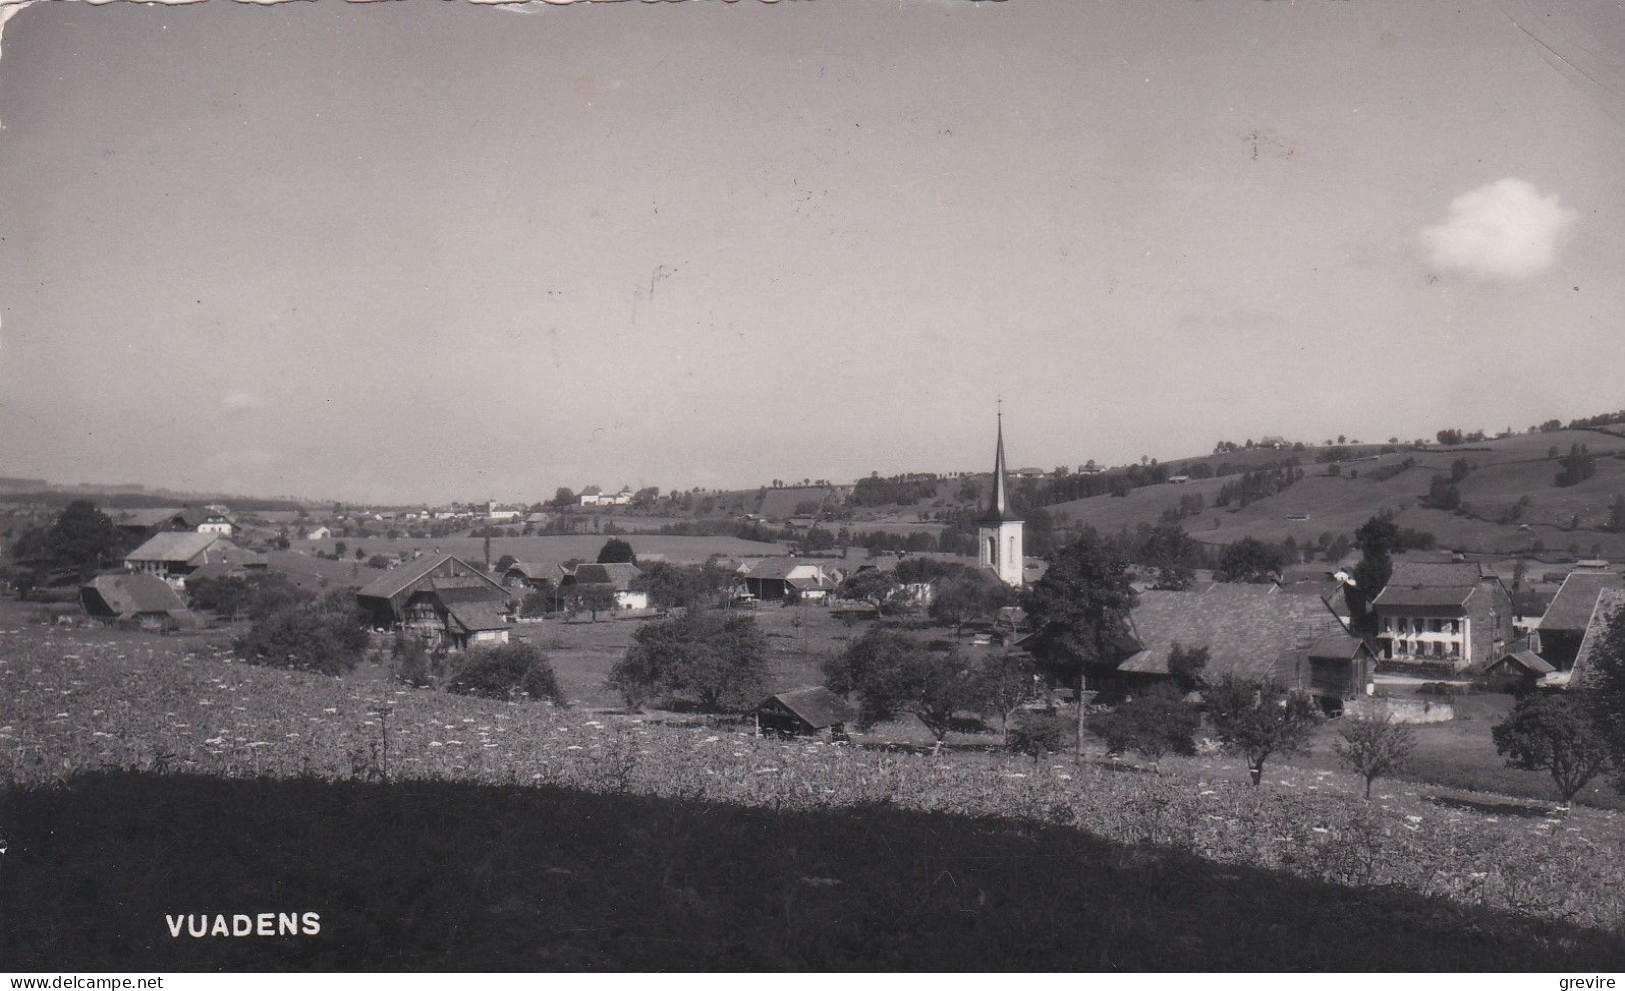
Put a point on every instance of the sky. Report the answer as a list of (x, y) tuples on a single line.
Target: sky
[(422, 251)]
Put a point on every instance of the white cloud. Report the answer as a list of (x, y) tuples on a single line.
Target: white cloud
[(238, 401), (1504, 230)]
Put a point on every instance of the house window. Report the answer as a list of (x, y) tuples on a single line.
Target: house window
[(1455, 626), (1455, 648), (1387, 624)]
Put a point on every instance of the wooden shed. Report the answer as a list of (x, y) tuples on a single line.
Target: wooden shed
[(810, 711)]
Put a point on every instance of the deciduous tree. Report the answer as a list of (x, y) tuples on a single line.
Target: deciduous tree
[(1555, 734), (1374, 748), (1258, 718)]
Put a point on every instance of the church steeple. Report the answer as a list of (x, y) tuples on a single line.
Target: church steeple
[(998, 505), (998, 532)]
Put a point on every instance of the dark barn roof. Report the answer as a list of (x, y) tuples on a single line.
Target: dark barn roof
[(815, 705), (1610, 601), (1246, 628), (619, 576), (130, 595), (1572, 607)]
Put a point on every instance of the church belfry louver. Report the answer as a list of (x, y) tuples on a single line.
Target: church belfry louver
[(998, 532)]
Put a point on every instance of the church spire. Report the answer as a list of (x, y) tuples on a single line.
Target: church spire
[(998, 507)]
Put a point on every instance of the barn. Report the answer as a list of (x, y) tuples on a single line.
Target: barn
[(809, 711)]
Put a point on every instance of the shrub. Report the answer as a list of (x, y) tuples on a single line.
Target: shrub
[(510, 672), (325, 636), (1038, 734), (1153, 724)]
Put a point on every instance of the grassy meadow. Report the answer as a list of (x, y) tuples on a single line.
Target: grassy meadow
[(149, 775)]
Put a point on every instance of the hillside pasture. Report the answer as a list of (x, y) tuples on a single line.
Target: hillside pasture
[(1506, 470)]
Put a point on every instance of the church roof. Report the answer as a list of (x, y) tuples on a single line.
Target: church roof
[(998, 506)]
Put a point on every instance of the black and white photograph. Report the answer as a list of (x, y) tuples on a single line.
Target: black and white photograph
[(812, 487)]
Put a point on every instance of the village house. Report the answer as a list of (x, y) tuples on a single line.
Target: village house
[(140, 599), (775, 579), (526, 575), (1250, 631), (1450, 614), (440, 599), (172, 555), (319, 533), (1567, 619), (592, 495), (618, 577)]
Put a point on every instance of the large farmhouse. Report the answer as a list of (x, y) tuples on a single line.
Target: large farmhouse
[(1450, 614), (440, 599), (144, 600), (774, 579), (173, 555), (618, 578), (1250, 631)]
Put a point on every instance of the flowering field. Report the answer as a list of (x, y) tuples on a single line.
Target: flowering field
[(131, 768)]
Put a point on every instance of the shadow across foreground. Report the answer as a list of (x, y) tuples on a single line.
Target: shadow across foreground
[(435, 875)]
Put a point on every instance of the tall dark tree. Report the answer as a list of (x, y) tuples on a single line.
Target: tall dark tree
[(82, 539), (1376, 539), (616, 551), (1079, 612), (1169, 549), (1248, 560)]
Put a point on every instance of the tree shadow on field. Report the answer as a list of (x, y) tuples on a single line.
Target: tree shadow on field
[(447, 876)]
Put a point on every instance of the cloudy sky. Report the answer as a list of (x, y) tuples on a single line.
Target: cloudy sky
[(426, 250)]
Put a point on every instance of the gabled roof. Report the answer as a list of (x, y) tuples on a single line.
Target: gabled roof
[(1526, 659), (1571, 609), (180, 547), (392, 583), (1448, 596), (529, 570), (146, 518), (1610, 601), (474, 615), (814, 705), (134, 594), (1434, 574), (1246, 629), (1430, 584), (619, 575), (779, 567)]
